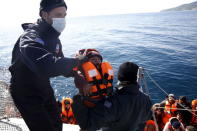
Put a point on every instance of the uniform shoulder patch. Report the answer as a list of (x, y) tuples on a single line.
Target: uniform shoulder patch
[(39, 40)]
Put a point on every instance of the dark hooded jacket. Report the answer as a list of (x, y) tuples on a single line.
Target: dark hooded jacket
[(127, 110), (36, 57)]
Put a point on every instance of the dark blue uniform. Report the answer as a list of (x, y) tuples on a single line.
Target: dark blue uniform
[(37, 56), (127, 110)]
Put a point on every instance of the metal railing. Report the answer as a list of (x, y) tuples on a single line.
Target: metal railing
[(7, 109)]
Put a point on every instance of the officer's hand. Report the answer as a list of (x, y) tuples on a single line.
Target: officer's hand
[(80, 80), (82, 59)]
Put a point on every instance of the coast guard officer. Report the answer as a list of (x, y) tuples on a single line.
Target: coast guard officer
[(36, 57)]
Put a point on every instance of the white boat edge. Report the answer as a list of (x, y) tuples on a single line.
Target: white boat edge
[(21, 123)]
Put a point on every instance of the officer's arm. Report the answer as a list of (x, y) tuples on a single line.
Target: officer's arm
[(42, 62), (61, 53)]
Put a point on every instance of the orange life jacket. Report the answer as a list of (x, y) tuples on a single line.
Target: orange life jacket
[(170, 108), (150, 126), (169, 111), (194, 104), (67, 115), (194, 115), (101, 81)]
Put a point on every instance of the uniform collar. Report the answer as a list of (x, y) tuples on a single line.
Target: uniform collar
[(46, 29)]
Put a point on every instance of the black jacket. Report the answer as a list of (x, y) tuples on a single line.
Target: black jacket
[(37, 56), (127, 110)]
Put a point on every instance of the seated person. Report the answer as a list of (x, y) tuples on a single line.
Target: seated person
[(99, 76), (182, 102), (127, 109), (170, 108), (150, 126), (174, 125), (159, 114), (194, 115), (185, 115)]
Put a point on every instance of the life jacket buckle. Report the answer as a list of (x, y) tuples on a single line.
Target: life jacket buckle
[(105, 82)]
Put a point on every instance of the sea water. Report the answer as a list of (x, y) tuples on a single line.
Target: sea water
[(163, 43)]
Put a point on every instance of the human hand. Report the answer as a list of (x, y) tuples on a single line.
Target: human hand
[(82, 59), (86, 90), (79, 80)]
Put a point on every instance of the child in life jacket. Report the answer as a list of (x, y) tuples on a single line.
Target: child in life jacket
[(98, 75), (67, 115)]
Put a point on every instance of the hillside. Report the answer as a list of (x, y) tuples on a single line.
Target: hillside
[(190, 6)]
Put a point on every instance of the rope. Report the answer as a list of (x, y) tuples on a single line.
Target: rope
[(177, 109), (142, 80), (157, 85)]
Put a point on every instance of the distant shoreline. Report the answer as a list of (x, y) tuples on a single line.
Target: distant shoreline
[(185, 7)]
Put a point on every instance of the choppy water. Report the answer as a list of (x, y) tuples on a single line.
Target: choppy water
[(163, 43)]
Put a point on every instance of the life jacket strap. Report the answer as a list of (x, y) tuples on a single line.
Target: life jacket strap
[(101, 81), (107, 91)]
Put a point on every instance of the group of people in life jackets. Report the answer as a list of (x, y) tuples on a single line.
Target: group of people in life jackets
[(174, 115), (99, 76)]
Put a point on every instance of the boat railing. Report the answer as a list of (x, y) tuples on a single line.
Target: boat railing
[(7, 109)]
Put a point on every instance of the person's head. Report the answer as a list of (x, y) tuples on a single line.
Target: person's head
[(171, 98), (54, 13), (190, 128), (182, 99), (67, 103), (194, 104), (150, 126), (93, 56), (179, 115), (174, 123), (127, 72)]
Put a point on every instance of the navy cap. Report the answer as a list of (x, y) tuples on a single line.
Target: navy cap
[(48, 5), (128, 72)]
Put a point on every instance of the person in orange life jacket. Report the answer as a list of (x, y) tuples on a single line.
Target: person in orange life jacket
[(150, 126), (67, 113), (96, 88), (159, 114), (185, 115), (174, 125), (126, 110), (182, 101), (194, 115), (170, 108), (37, 56)]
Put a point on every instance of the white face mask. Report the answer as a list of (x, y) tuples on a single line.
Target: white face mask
[(59, 24)]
